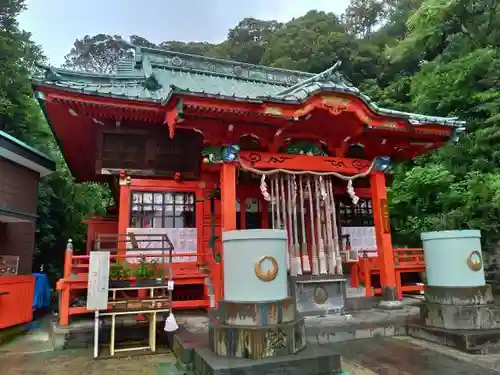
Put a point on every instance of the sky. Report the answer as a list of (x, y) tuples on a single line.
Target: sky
[(56, 24)]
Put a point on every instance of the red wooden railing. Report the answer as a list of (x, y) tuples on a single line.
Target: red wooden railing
[(76, 268), (405, 260)]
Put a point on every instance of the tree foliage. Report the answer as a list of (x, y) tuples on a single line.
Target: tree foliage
[(99, 53), (62, 203)]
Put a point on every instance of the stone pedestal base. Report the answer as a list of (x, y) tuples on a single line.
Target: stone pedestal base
[(193, 357), (468, 308), (477, 295), (259, 314), (460, 317), (319, 295), (256, 330), (257, 342)]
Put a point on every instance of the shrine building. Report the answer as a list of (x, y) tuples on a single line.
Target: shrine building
[(194, 146)]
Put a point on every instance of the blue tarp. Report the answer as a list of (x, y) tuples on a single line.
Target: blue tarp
[(42, 292)]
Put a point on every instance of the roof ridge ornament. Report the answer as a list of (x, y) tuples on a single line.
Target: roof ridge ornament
[(151, 83), (49, 72), (315, 78)]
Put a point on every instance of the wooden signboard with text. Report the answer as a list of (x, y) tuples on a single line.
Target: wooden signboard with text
[(98, 283), (9, 265), (384, 208), (150, 153)]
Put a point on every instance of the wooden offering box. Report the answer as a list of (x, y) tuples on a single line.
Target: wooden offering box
[(140, 304)]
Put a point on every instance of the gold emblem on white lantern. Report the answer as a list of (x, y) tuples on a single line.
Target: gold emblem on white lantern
[(474, 261), (262, 272), (320, 295)]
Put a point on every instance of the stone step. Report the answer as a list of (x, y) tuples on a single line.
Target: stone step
[(172, 369), (469, 341), (313, 360)]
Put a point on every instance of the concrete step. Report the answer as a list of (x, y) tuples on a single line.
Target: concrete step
[(35, 339), (469, 341), (172, 369)]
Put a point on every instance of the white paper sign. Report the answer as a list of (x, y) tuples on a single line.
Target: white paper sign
[(98, 284), (149, 242), (361, 239), (170, 285)]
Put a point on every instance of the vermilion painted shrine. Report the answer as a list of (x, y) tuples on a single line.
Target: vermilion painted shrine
[(195, 146)]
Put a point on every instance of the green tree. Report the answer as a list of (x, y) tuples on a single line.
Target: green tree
[(362, 17), (315, 41), (248, 40), (99, 53), (62, 203), (457, 41)]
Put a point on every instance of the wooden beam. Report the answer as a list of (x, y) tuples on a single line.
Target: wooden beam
[(383, 235), (265, 160)]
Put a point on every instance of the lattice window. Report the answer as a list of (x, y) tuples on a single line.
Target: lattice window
[(360, 215), (163, 210)]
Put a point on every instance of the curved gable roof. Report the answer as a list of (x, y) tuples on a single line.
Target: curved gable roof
[(156, 75)]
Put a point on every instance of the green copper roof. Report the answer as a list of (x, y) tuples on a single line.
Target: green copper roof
[(21, 153), (155, 75)]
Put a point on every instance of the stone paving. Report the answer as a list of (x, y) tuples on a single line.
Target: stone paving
[(80, 362), (32, 353), (384, 356), (407, 356)]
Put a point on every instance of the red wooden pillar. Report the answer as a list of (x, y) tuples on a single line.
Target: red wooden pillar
[(228, 207), (383, 236), (264, 213), (124, 209)]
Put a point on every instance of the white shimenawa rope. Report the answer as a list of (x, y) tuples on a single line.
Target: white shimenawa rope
[(349, 179)]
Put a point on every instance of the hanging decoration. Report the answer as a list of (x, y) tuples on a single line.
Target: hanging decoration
[(315, 261), (285, 220), (297, 267), (263, 188), (349, 179), (306, 266), (335, 229), (319, 234), (321, 241), (287, 197), (331, 258)]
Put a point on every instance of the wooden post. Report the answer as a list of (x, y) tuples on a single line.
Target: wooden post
[(124, 211), (65, 293), (68, 259), (383, 236), (228, 196), (228, 208)]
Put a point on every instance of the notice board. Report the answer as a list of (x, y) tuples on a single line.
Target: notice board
[(98, 285)]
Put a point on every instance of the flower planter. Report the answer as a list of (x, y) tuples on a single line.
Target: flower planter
[(119, 283), (148, 282)]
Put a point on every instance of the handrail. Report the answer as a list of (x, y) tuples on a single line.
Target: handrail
[(413, 255)]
